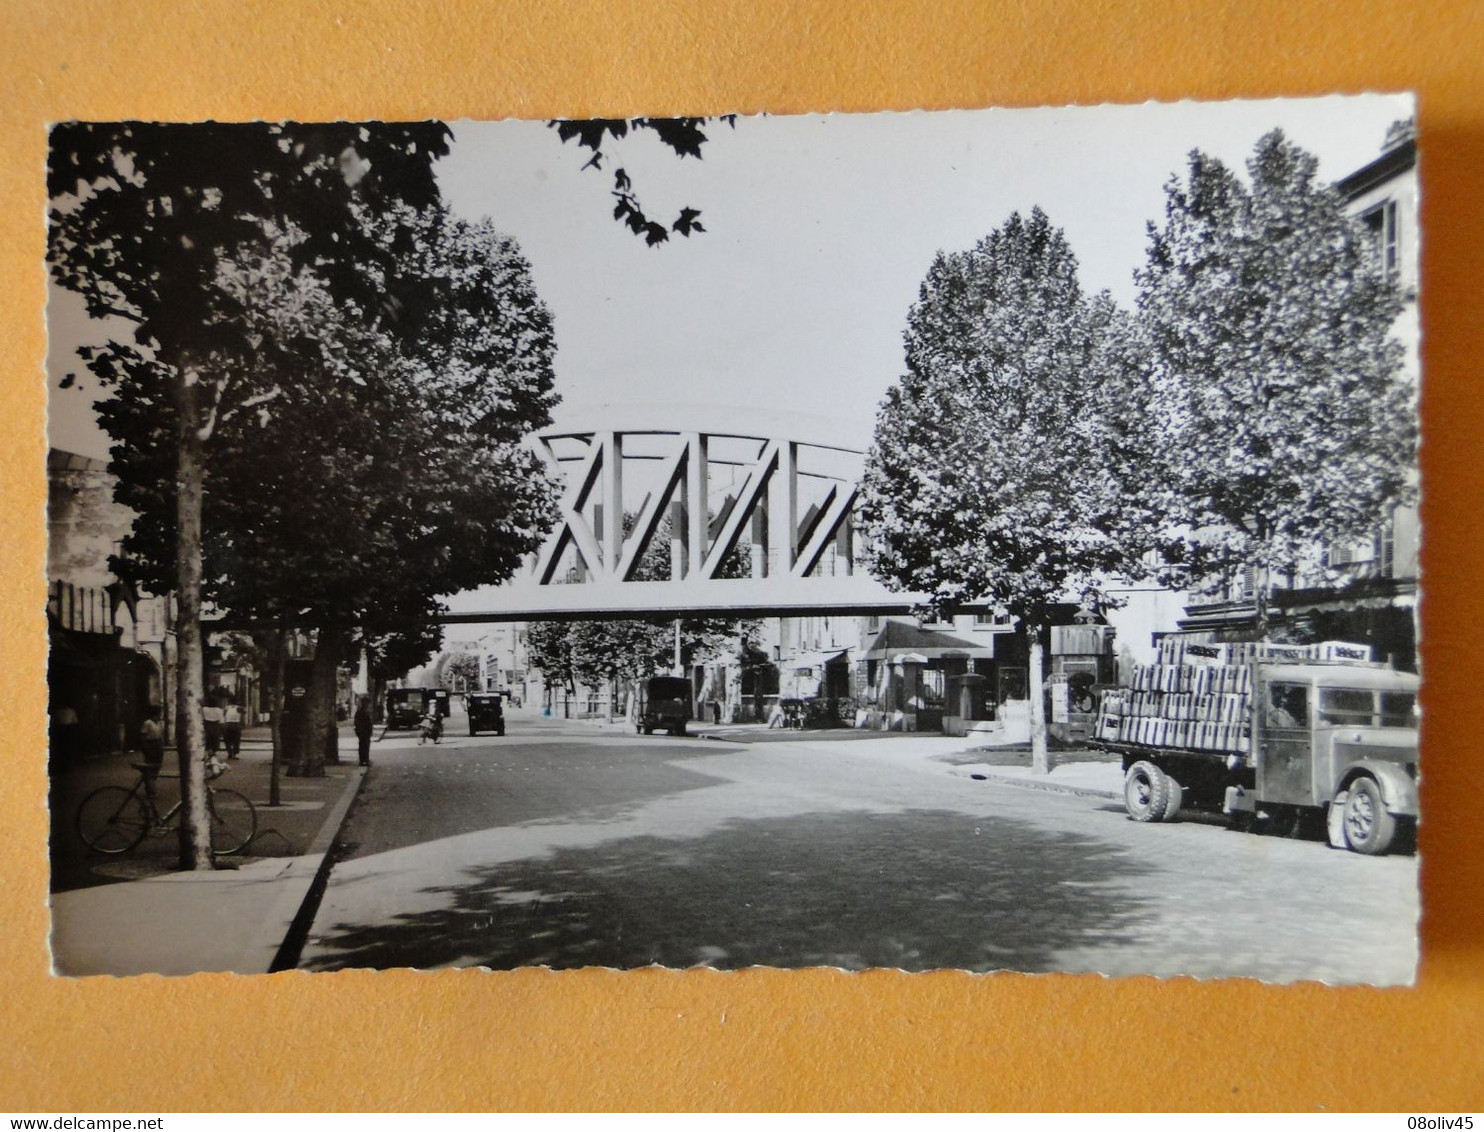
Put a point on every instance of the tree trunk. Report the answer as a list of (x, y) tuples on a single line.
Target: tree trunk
[(1040, 757), (190, 478), (277, 654), (320, 711), (1260, 601), (327, 675), (1262, 580)]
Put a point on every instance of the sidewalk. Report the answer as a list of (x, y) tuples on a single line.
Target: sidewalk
[(134, 914), (1073, 771)]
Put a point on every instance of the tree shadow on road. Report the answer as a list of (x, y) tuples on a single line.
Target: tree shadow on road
[(916, 890)]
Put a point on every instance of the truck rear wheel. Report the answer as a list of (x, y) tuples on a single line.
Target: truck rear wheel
[(1369, 829), (1146, 791), (1174, 800)]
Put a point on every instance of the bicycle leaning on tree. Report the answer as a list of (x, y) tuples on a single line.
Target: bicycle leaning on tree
[(114, 819)]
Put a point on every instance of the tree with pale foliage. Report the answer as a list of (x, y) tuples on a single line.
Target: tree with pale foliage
[(993, 476), (459, 671), (1285, 420)]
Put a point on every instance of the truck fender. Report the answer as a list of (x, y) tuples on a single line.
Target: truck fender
[(1398, 787)]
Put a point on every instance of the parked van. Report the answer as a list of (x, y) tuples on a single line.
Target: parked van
[(664, 703), (405, 707)]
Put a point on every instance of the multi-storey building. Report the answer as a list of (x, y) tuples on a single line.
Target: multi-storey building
[(111, 648)]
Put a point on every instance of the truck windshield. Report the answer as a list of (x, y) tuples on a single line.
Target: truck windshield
[(1398, 709)]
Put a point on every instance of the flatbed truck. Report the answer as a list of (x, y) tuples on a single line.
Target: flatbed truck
[(1298, 741)]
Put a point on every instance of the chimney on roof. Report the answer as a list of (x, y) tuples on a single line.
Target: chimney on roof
[(1402, 130)]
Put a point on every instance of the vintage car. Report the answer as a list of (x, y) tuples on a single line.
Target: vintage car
[(486, 712)]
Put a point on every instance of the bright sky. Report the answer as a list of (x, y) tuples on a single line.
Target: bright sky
[(819, 231), (821, 228)]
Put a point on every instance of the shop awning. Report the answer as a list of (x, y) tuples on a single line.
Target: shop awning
[(899, 637), (812, 660)]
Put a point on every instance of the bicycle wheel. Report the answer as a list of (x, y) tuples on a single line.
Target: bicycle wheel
[(234, 821), (112, 820)]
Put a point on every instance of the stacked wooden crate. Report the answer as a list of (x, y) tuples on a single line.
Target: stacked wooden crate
[(1198, 696), (1194, 697)]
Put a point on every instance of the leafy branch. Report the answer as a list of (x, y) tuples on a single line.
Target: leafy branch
[(682, 135)]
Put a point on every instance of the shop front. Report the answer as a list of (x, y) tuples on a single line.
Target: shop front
[(910, 678)]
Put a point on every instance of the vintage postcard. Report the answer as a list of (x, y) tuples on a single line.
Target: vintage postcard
[(981, 540)]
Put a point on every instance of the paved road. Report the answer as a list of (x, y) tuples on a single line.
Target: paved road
[(565, 846)]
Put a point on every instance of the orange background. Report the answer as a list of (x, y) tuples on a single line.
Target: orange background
[(756, 1039)]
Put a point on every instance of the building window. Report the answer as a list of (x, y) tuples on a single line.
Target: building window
[(1247, 582), (1381, 227), (986, 619), (1351, 553)]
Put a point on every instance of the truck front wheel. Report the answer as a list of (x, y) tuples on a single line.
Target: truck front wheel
[(1369, 829), (1146, 792)]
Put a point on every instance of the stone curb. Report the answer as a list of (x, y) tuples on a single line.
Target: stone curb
[(331, 829), (287, 953)]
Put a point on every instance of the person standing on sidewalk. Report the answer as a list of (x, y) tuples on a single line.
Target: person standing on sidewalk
[(152, 745), (232, 727), (364, 727)]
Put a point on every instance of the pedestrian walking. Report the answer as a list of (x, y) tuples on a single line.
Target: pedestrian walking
[(232, 727), (211, 715), (364, 727)]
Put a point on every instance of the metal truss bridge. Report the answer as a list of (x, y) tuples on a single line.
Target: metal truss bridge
[(664, 520)]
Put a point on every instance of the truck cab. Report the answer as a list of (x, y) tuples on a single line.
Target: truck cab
[(1342, 736)]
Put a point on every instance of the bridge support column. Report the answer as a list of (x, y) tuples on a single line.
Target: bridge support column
[(696, 485), (678, 565), (611, 533), (760, 538), (790, 468)]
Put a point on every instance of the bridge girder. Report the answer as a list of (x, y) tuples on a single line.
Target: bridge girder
[(759, 525), (739, 597)]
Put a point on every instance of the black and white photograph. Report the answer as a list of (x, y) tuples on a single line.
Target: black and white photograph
[(981, 540)]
